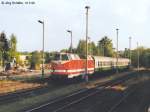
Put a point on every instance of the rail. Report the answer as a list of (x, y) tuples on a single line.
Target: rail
[(64, 102)]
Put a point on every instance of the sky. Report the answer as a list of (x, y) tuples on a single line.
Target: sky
[(130, 16)]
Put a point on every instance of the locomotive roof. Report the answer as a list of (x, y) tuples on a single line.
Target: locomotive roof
[(71, 56)]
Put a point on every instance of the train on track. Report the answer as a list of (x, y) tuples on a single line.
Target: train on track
[(70, 65)]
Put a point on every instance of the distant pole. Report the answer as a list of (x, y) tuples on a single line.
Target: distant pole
[(103, 49), (42, 22), (87, 11), (99, 48), (138, 56), (130, 50), (117, 31), (69, 31)]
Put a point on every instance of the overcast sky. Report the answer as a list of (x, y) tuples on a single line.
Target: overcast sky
[(130, 16)]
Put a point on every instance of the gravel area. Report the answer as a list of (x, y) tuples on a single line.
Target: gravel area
[(8, 86), (135, 98), (34, 100), (139, 101)]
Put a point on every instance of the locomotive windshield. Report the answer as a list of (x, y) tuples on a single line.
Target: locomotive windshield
[(57, 57), (62, 57)]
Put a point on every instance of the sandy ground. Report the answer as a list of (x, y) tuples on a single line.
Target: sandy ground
[(12, 82), (8, 86)]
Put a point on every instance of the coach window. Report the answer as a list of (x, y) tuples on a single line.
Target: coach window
[(64, 57), (102, 64), (98, 63), (106, 63)]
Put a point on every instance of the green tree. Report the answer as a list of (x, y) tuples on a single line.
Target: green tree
[(144, 57), (35, 60), (105, 47), (81, 48), (13, 47), (92, 49), (1, 58), (147, 58), (142, 53), (4, 48), (125, 53), (47, 57), (65, 50)]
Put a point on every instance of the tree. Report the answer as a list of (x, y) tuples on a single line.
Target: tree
[(81, 48), (105, 47), (125, 53), (144, 57), (47, 57), (1, 58), (65, 50), (147, 58), (92, 49), (35, 60), (13, 46), (4, 48)]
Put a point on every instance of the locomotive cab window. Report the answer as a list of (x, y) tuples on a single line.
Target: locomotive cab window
[(57, 57), (64, 57)]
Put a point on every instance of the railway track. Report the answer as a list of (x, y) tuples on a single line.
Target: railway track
[(11, 97), (62, 103), (14, 96), (141, 101), (19, 94), (117, 104), (101, 101)]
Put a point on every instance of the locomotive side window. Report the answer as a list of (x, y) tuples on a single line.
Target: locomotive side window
[(98, 63), (64, 57)]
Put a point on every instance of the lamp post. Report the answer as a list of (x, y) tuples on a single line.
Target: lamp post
[(42, 22), (138, 58), (103, 48), (89, 40), (69, 31), (130, 50), (86, 73), (117, 31)]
